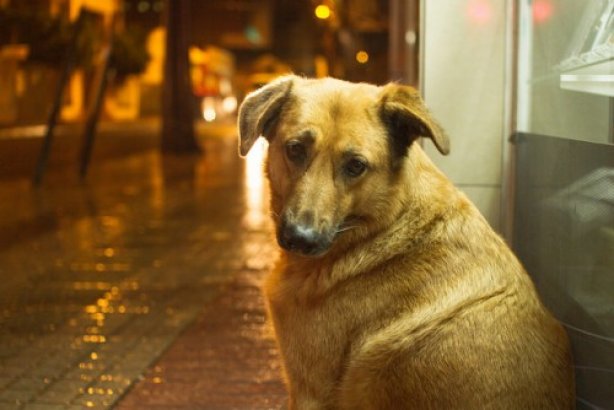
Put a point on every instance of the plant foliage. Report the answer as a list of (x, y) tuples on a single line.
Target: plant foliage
[(129, 54), (49, 40)]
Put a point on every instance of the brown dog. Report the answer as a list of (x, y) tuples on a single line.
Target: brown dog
[(392, 291)]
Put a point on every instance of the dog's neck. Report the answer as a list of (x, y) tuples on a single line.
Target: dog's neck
[(417, 220)]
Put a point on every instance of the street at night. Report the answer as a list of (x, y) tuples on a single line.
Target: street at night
[(138, 287), (434, 227)]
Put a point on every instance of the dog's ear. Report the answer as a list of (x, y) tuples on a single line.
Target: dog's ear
[(260, 110), (407, 118)]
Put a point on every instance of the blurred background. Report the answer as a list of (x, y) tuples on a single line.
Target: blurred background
[(234, 47), (118, 158)]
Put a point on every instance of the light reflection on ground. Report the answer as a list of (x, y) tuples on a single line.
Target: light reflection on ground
[(255, 186), (100, 278)]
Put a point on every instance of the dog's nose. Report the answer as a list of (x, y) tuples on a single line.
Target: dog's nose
[(303, 239)]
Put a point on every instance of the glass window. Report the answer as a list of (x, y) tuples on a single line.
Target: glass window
[(566, 69), (564, 181)]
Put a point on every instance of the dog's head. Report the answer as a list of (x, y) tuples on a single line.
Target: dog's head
[(336, 151)]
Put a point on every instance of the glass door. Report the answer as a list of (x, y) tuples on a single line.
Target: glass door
[(564, 176)]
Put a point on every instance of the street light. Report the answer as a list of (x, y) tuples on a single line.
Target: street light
[(322, 12), (362, 57)]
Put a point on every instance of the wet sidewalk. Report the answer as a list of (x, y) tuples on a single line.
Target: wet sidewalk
[(138, 289)]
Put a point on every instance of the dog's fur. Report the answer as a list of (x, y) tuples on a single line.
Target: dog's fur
[(407, 298)]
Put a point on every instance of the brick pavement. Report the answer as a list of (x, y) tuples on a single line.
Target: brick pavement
[(148, 272), (225, 361)]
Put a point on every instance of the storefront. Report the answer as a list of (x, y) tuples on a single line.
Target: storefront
[(564, 176), (526, 91)]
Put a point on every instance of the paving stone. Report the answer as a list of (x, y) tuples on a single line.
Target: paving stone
[(8, 406), (61, 359), (44, 406), (13, 370), (5, 381), (17, 397), (59, 398), (83, 374), (31, 384), (51, 372), (96, 401)]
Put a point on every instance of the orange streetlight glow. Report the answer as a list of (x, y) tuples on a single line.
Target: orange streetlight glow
[(322, 12), (362, 57)]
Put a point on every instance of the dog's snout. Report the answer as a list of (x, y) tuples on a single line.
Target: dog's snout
[(303, 239)]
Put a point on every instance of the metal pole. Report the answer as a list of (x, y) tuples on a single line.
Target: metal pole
[(94, 113), (52, 120), (510, 122), (396, 53)]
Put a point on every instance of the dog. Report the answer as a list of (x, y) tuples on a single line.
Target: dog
[(391, 290)]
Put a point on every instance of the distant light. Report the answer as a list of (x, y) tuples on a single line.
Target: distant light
[(253, 35), (542, 10), (411, 37), (362, 57), (229, 104), (209, 114), (143, 6), (208, 109), (254, 184), (322, 12), (480, 11), (158, 6), (225, 86)]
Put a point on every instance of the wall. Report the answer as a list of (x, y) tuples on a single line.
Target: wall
[(464, 86)]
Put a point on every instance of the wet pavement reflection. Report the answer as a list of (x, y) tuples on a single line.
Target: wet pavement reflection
[(139, 288)]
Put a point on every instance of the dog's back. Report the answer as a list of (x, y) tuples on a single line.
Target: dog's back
[(472, 332)]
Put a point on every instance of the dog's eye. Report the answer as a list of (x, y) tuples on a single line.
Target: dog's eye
[(296, 151), (355, 167)]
